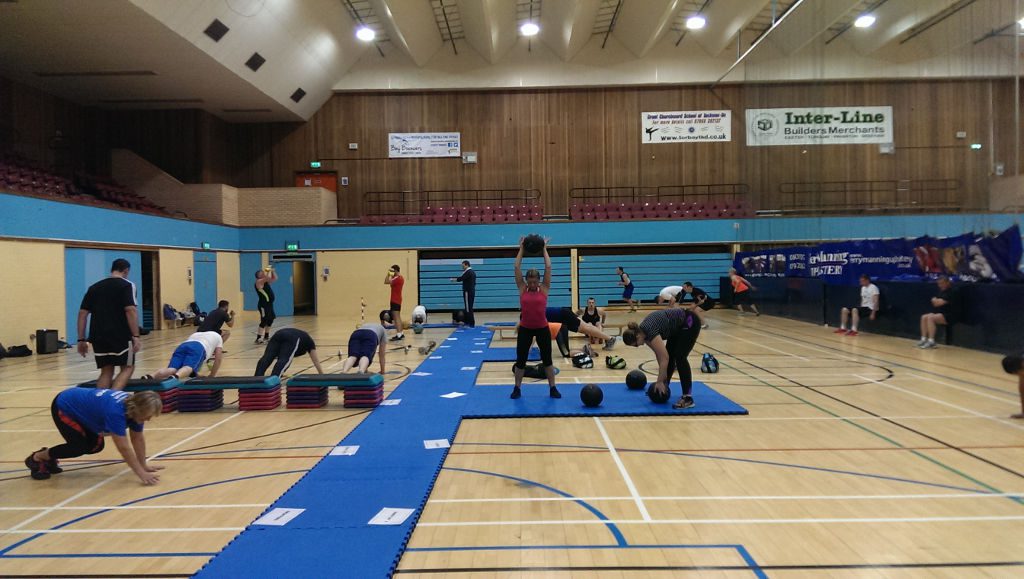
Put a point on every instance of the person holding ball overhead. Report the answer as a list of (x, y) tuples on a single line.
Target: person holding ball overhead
[(265, 302), (396, 281), (533, 322)]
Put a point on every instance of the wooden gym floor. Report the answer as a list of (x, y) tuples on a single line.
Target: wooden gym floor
[(861, 457)]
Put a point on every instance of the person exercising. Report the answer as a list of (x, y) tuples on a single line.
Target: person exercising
[(361, 346), (533, 323), (265, 302), (188, 357), (627, 288), (215, 321), (594, 316), (284, 346), (671, 334), (397, 282)]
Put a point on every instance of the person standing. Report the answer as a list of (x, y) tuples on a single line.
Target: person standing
[(265, 302), (533, 321), (627, 288), (111, 312), (869, 298), (396, 281), (284, 346), (741, 289), (468, 279), (947, 310), (1014, 364), (216, 319), (671, 334)]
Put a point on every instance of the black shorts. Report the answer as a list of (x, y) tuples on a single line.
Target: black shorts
[(113, 353), (862, 311), (396, 307), (564, 316), (267, 315), (741, 297), (363, 343)]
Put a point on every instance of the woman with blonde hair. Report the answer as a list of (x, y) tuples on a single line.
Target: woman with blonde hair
[(533, 321), (83, 416)]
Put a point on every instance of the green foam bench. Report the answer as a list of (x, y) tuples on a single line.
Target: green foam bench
[(231, 383)]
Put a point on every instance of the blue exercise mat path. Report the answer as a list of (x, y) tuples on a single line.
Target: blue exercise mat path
[(354, 511)]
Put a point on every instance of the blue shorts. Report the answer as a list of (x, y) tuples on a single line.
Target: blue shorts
[(627, 292), (363, 343), (189, 354)]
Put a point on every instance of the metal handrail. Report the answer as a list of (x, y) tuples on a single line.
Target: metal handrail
[(660, 193), (415, 202), (877, 195)]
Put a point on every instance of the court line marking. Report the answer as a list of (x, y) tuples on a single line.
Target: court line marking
[(790, 354), (147, 430), (773, 419), (622, 470), (739, 498), (140, 507), (1013, 401), (84, 531), (1005, 422), (110, 478), (724, 521)]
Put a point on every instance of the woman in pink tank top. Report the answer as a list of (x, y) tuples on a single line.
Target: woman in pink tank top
[(533, 323)]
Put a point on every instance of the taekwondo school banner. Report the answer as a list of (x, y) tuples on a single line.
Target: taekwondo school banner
[(424, 145), (968, 257), (819, 126), (686, 126)]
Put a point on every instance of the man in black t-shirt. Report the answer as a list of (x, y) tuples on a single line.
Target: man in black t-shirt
[(284, 346), (947, 310), (468, 279), (701, 299), (110, 310), (216, 319)]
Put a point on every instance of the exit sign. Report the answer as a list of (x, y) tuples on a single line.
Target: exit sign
[(206, 245), (314, 164), (291, 246)]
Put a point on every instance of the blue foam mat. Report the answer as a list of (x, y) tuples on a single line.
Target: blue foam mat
[(393, 469)]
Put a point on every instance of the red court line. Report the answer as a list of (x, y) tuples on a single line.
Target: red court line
[(855, 449)]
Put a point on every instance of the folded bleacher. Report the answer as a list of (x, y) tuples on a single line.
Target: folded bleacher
[(708, 209), (513, 213)]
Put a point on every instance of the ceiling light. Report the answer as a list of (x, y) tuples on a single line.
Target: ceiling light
[(365, 33), (529, 29), (695, 22), (864, 21)]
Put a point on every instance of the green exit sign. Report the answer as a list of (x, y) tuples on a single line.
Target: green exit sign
[(206, 245), (314, 164), (291, 246)]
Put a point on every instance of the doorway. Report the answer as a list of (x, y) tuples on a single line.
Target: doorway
[(296, 285), (303, 288)]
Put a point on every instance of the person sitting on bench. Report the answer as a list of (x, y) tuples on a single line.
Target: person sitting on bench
[(188, 357), (948, 311), (869, 296), (284, 346), (361, 344)]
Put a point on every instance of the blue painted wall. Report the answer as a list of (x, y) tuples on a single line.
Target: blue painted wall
[(204, 280), (649, 274), (495, 284), (84, 267), (249, 263)]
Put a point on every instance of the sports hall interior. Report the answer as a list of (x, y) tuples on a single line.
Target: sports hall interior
[(205, 139)]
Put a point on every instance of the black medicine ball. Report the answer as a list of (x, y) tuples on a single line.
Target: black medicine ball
[(533, 244), (591, 395), (656, 397), (636, 380)]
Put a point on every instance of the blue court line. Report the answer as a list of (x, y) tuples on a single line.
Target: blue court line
[(746, 460), (621, 540), (103, 555), (740, 550), (4, 552)]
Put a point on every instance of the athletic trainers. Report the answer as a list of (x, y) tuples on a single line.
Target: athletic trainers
[(840, 331), (610, 343), (258, 340), (554, 393), (684, 402), (589, 351), (704, 326), (852, 333), (38, 468), (146, 377), (397, 337), (928, 345), (516, 393)]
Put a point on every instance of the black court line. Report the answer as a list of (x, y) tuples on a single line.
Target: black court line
[(822, 567), (880, 417)]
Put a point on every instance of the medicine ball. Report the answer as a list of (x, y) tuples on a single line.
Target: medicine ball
[(636, 380), (385, 316), (656, 397), (533, 244), (591, 395), (417, 328)]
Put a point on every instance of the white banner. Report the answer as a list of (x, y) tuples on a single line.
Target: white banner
[(819, 126), (686, 126), (424, 145)]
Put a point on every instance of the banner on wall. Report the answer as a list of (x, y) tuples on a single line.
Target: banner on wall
[(410, 145), (968, 257), (686, 126), (819, 126)]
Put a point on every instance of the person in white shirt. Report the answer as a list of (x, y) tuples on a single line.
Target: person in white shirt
[(419, 315), (868, 307), (669, 295), (362, 344), (188, 357)]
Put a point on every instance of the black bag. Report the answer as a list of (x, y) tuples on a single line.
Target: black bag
[(18, 351), (532, 371), (459, 316)]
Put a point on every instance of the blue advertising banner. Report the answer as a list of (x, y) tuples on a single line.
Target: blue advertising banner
[(968, 257)]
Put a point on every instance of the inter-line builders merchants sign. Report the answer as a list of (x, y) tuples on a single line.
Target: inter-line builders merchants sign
[(819, 126), (424, 145), (686, 126)]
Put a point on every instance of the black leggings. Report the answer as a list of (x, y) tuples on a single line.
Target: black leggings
[(525, 339), (78, 439), (267, 315), (679, 346), (281, 347)]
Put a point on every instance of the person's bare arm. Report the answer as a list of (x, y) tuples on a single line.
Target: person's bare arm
[(272, 274), (518, 268), (124, 446), (218, 355), (874, 306), (83, 345), (231, 319), (657, 345), (139, 444), (381, 353), (316, 361), (547, 267), (132, 313)]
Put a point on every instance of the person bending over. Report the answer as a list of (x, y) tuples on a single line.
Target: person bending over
[(533, 323), (869, 296), (669, 295), (215, 321), (361, 346), (947, 310), (671, 334), (285, 345), (570, 322), (1014, 364), (701, 300), (188, 357), (83, 416)]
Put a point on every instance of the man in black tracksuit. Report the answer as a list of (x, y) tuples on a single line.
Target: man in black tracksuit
[(468, 279)]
